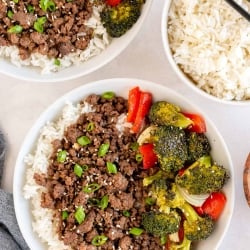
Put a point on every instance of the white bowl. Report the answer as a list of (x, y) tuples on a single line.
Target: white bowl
[(185, 78), (120, 86), (116, 46)]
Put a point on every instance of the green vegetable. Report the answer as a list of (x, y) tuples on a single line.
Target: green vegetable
[(10, 14), (30, 8), (126, 213), (83, 140), (78, 170), (150, 201), (138, 157), (90, 126), (202, 177), (15, 29), (103, 149), (103, 202), (134, 146), (160, 224), (111, 167), (170, 147), (119, 19), (136, 231), (65, 215), (198, 146), (164, 113), (91, 188), (57, 62), (184, 245), (108, 95), (39, 24), (157, 176), (80, 214), (47, 5), (61, 156), (99, 240), (16, 1)]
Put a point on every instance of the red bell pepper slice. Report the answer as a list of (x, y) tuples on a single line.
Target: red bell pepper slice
[(199, 124), (143, 109), (112, 2), (149, 158), (133, 103), (213, 205)]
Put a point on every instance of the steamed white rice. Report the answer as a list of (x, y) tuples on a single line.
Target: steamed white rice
[(38, 161), (98, 43), (210, 41)]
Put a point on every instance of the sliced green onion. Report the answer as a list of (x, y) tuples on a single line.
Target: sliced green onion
[(99, 240), (78, 170), (39, 24), (47, 5), (65, 215), (83, 140), (126, 213), (138, 157), (30, 8), (103, 202), (61, 156), (10, 14), (134, 146), (103, 149), (90, 126), (108, 95), (80, 214), (93, 201), (57, 62), (136, 231), (150, 201), (15, 1), (15, 29), (91, 188), (111, 168), (163, 239)]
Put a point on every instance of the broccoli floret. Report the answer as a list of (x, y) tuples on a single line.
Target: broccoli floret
[(164, 113), (171, 147), (119, 19), (195, 226), (184, 245), (160, 224), (158, 176), (198, 145), (202, 177)]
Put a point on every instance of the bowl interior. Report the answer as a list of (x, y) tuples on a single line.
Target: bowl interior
[(117, 45), (184, 78), (120, 87)]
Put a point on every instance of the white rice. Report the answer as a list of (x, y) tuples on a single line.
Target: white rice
[(38, 161), (98, 43), (210, 41)]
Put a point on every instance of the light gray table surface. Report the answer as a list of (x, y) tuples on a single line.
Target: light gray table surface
[(22, 102)]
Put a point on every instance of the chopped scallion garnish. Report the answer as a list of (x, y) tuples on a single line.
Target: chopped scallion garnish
[(103, 149), (61, 156), (80, 214), (90, 188), (99, 240), (15, 29), (136, 231), (39, 24), (111, 168), (83, 140), (108, 95)]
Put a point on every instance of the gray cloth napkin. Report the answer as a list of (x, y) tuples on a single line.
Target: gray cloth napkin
[(10, 235)]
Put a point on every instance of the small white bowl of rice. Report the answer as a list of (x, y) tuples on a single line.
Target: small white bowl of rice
[(207, 43), (31, 60)]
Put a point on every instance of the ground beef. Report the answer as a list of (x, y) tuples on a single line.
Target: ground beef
[(63, 32), (66, 191)]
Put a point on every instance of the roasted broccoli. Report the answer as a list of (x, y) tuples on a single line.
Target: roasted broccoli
[(164, 113), (185, 244), (198, 145), (119, 19), (160, 224), (195, 226), (171, 147), (202, 177)]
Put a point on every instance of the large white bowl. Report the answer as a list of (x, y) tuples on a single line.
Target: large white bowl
[(120, 86), (179, 72), (116, 46)]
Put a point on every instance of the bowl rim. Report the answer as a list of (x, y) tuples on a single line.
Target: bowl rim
[(180, 73), (22, 206), (112, 51)]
